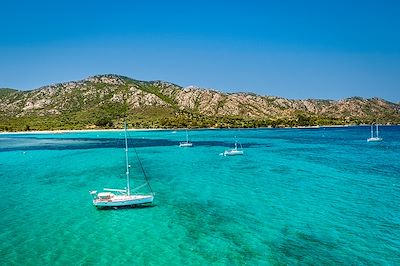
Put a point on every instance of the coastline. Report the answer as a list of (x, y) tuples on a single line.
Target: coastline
[(64, 131)]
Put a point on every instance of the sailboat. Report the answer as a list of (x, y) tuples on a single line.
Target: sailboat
[(186, 143), (234, 151), (372, 138), (111, 197)]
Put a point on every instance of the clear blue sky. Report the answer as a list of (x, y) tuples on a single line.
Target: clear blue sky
[(295, 49)]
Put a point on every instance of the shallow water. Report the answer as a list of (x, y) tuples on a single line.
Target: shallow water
[(297, 196)]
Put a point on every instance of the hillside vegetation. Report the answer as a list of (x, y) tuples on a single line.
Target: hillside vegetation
[(105, 101)]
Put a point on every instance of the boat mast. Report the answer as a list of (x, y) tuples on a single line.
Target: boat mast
[(187, 137), (127, 163), (235, 143), (372, 130), (377, 134)]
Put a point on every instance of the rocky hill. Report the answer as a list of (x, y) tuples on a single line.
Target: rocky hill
[(104, 101)]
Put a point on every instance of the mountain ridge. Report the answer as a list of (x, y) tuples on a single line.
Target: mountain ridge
[(105, 100)]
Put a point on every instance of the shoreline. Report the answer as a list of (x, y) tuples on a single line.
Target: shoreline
[(63, 131)]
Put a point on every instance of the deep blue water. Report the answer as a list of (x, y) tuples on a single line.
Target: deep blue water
[(298, 196)]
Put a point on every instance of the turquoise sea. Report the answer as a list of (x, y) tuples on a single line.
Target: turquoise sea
[(321, 196)]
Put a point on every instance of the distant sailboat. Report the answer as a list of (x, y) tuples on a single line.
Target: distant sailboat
[(372, 138), (186, 143), (234, 151), (122, 197)]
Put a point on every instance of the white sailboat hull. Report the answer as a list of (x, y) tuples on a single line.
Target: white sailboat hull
[(374, 139), (232, 152), (123, 200), (185, 144)]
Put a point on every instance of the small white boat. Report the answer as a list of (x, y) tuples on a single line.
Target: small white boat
[(376, 138), (186, 143), (122, 197), (234, 151)]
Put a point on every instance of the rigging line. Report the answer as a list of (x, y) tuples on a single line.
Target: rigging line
[(141, 166), (244, 155), (139, 187)]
